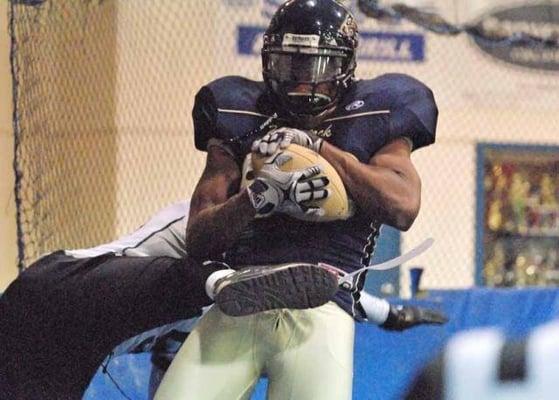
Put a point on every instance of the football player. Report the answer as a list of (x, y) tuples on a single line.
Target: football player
[(61, 316), (65, 313), (367, 130)]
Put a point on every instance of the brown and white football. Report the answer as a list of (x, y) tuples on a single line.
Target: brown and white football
[(336, 206)]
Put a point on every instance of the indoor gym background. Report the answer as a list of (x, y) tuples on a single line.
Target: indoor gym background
[(103, 137)]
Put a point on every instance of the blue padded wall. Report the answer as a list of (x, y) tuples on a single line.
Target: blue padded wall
[(386, 362)]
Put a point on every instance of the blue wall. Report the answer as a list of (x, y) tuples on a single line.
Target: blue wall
[(386, 362)]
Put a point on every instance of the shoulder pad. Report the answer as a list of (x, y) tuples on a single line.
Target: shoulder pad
[(413, 111), (226, 109)]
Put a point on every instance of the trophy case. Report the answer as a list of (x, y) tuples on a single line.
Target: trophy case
[(517, 215)]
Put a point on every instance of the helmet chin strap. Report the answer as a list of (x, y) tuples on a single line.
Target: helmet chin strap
[(308, 121), (318, 95), (311, 120)]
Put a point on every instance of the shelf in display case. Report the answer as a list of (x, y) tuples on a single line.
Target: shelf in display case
[(517, 229), (527, 234)]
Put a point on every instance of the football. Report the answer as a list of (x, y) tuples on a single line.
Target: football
[(336, 206)]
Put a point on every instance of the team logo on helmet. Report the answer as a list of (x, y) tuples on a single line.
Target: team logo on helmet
[(349, 26)]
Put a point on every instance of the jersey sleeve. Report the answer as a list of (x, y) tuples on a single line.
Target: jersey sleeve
[(414, 112), (163, 235), (204, 115), (226, 111)]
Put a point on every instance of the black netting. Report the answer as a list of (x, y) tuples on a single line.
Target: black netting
[(63, 58)]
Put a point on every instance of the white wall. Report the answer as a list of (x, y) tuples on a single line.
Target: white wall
[(481, 99), (160, 69), (8, 248)]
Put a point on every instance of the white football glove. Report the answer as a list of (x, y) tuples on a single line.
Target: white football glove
[(275, 190), (280, 138)]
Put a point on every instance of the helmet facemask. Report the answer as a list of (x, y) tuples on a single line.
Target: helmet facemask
[(307, 81)]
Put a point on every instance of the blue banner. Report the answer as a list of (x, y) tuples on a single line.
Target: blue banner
[(378, 46), (391, 46), (247, 37)]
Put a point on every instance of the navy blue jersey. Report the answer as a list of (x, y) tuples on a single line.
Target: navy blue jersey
[(371, 114)]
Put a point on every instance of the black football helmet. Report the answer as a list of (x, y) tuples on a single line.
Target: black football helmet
[(308, 57)]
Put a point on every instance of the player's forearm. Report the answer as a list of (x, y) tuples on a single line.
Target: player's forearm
[(214, 229), (389, 195)]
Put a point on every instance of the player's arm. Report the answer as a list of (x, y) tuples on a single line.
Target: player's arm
[(218, 211), (387, 188), (219, 214)]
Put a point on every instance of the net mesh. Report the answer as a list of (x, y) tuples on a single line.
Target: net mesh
[(64, 70), (104, 91)]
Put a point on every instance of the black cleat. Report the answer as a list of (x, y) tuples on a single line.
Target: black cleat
[(404, 317), (255, 289)]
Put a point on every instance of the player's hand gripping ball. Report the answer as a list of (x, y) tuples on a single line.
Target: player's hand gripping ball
[(281, 138), (335, 207)]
